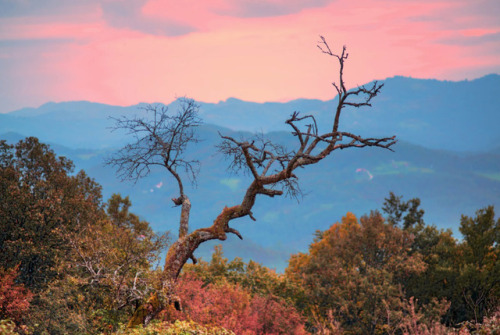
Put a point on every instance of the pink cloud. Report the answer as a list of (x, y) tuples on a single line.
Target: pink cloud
[(211, 50)]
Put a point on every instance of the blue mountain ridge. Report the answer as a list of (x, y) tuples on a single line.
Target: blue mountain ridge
[(457, 116), (448, 155)]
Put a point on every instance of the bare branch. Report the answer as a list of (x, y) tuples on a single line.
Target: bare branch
[(271, 165), (258, 156), (269, 192), (234, 231), (160, 139)]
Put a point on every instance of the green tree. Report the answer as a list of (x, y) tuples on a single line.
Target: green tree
[(479, 280), (438, 249), (395, 208), (464, 273), (441, 254)]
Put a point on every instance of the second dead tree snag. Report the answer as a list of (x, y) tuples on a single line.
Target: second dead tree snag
[(161, 140)]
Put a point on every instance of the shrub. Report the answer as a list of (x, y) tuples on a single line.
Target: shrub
[(233, 308), (14, 299)]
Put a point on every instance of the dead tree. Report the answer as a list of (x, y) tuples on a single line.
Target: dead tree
[(162, 140)]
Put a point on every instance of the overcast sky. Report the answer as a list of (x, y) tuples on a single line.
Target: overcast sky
[(127, 51)]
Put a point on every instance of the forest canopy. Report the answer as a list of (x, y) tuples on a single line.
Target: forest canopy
[(74, 263)]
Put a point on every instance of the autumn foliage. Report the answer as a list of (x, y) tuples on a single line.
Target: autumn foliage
[(377, 276), (353, 270), (234, 308), (72, 263), (14, 298), (85, 261)]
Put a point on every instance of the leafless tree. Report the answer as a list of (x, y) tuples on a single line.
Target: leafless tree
[(162, 140)]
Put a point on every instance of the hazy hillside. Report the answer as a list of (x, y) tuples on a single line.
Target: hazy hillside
[(351, 180), (458, 116), (429, 117)]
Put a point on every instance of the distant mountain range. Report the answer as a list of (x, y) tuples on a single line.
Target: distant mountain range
[(457, 116), (448, 155)]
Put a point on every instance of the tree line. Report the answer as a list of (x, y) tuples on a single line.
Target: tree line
[(74, 263)]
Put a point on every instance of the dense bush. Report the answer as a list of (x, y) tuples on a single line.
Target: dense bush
[(234, 308), (14, 298)]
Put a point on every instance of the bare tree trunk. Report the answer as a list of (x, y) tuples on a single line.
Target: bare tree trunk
[(182, 250), (271, 166)]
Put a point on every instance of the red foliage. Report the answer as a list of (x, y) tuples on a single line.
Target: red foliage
[(233, 308), (14, 299)]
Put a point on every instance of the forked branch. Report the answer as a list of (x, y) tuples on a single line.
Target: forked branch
[(272, 167), (162, 141)]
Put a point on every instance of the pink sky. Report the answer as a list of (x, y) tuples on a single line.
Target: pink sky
[(123, 52)]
